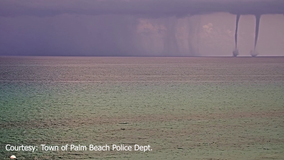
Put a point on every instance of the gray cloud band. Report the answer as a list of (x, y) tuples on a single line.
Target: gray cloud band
[(148, 8)]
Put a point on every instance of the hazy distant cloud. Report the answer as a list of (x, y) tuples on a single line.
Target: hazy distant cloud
[(208, 27), (146, 27), (150, 8)]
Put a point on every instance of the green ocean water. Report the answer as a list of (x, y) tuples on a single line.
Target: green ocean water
[(184, 108)]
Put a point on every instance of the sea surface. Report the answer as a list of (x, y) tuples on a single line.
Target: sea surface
[(183, 107)]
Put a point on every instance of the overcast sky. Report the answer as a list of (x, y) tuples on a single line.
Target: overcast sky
[(139, 27)]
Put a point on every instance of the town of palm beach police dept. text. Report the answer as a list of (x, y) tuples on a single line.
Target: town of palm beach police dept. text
[(78, 147)]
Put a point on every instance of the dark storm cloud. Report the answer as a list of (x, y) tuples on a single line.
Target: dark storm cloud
[(109, 27), (154, 8)]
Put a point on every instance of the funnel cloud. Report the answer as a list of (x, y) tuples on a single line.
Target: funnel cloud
[(236, 51), (254, 53), (257, 18)]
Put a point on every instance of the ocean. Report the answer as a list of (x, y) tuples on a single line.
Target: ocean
[(182, 107)]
